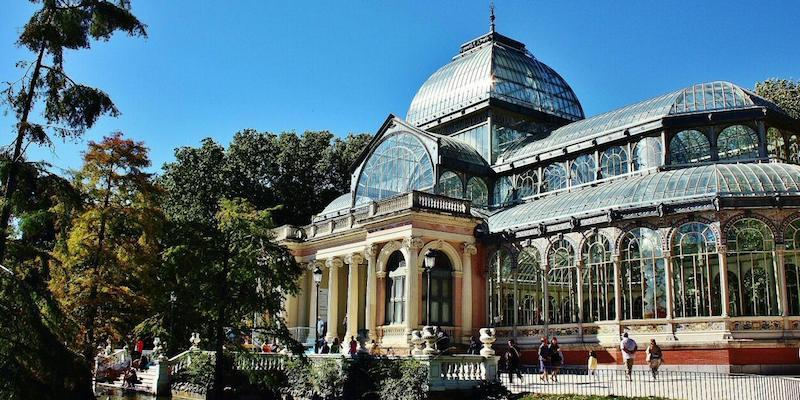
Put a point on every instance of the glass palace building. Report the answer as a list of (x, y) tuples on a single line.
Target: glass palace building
[(675, 218)]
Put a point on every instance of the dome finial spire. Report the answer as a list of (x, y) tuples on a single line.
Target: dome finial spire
[(491, 16)]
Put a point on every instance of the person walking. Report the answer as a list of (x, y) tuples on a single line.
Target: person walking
[(654, 357), (474, 346), (591, 364), (556, 358), (628, 347), (513, 357), (544, 359)]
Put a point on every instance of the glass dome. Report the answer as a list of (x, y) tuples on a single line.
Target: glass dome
[(494, 66)]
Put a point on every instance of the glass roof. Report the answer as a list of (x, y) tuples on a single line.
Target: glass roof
[(338, 204), (735, 180), (456, 150), (399, 164), (698, 98), (498, 70)]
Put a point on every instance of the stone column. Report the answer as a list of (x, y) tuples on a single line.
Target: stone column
[(370, 312), (669, 283), (723, 280), (468, 250), (412, 246), (783, 298), (353, 261), (617, 288), (290, 309), (333, 265)]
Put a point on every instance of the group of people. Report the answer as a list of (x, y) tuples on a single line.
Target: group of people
[(551, 358)]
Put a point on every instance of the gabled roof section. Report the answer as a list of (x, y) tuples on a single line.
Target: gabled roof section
[(705, 97), (665, 187)]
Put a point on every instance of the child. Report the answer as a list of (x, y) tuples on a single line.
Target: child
[(592, 364)]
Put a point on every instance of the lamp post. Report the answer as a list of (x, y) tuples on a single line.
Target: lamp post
[(317, 279), (172, 299), (430, 262)]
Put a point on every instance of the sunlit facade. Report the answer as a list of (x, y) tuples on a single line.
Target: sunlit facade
[(675, 218)]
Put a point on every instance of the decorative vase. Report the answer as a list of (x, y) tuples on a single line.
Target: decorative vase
[(417, 341), (487, 338)]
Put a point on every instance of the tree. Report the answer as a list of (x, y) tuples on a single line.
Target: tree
[(69, 107), (221, 246), (112, 244), (783, 92)]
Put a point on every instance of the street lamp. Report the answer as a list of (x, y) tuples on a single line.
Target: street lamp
[(430, 262), (317, 279), (172, 299)]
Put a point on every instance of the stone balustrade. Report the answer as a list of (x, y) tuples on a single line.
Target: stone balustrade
[(352, 219)]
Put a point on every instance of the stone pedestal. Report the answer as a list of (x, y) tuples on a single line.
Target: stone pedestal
[(487, 338)]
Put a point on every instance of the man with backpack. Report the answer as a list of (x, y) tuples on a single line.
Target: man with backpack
[(628, 347)]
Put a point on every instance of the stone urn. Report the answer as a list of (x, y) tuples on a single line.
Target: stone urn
[(429, 336), (418, 342), (362, 344), (158, 350), (487, 338), (195, 341)]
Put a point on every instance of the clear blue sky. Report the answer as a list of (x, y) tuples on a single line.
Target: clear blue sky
[(211, 68)]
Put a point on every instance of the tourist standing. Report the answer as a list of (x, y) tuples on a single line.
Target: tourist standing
[(335, 347), (544, 359), (513, 357), (654, 357), (591, 365), (474, 347), (628, 347), (353, 346), (556, 358)]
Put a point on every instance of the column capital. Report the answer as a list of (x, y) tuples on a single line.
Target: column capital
[(334, 263), (355, 258), (469, 248), (371, 250), (413, 242), (380, 274)]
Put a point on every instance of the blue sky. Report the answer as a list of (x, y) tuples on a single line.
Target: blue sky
[(211, 68)]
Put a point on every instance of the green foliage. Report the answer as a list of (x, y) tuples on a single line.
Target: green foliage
[(405, 380), (199, 372), (492, 390), (783, 92)]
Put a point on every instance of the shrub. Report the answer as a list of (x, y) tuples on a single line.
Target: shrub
[(403, 380)]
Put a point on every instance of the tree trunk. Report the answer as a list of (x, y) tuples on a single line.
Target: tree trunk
[(11, 179)]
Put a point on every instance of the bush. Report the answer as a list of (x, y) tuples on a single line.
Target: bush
[(196, 377), (492, 390), (403, 380)]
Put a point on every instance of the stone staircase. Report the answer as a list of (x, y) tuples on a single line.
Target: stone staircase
[(147, 381)]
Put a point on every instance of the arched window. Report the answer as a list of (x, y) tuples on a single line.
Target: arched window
[(643, 276), (562, 283), (613, 162), (395, 288), (501, 288), (792, 267), (477, 192), (598, 280), (689, 146), (441, 291), (737, 142), (398, 165), (776, 146), (555, 177), (529, 286), (451, 185), (527, 183), (750, 247), (647, 153), (582, 170), (695, 263), (503, 191)]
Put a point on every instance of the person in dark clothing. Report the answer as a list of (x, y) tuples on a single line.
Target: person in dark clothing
[(442, 340), (325, 349), (544, 359), (556, 359), (474, 346), (513, 358)]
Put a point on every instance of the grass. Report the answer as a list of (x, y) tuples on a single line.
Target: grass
[(577, 397)]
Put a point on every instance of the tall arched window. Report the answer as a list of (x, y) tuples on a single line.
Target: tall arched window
[(737, 142), (450, 185), (776, 146), (598, 280), (441, 291), (398, 165), (477, 192), (582, 170), (555, 177), (613, 162), (689, 146), (528, 183), (647, 153), (643, 275), (792, 267), (695, 265), (562, 283), (503, 191), (395, 288), (501, 289), (530, 296), (750, 246)]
